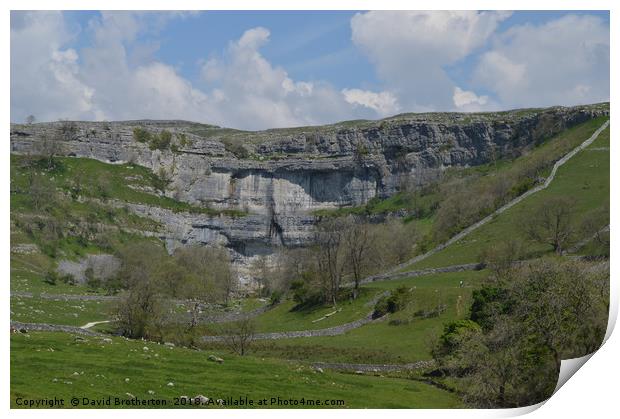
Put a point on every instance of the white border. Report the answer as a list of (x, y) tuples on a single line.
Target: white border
[(590, 393)]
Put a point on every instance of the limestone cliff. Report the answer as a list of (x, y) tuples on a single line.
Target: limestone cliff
[(279, 177)]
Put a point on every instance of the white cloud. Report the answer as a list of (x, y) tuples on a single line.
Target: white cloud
[(384, 103), (254, 93), (44, 76), (564, 61), (116, 77), (463, 98), (410, 49)]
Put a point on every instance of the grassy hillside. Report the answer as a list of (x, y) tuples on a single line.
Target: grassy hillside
[(66, 312), (60, 365), (585, 178), (380, 342), (73, 202)]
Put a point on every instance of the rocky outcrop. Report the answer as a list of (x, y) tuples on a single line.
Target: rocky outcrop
[(103, 267), (283, 176)]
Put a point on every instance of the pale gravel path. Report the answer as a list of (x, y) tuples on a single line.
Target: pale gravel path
[(500, 210), (91, 324)]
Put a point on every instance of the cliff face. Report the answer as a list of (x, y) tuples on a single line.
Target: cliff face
[(284, 175)]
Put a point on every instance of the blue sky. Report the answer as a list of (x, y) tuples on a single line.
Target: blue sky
[(265, 69)]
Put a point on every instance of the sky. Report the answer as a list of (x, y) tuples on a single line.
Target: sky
[(265, 69)]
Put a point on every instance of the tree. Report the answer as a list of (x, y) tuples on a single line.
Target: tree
[(141, 310), (392, 243), (41, 192), (542, 312), (357, 242), (239, 335), (330, 255), (48, 148), (595, 227), (30, 119), (210, 276), (551, 223), (500, 258)]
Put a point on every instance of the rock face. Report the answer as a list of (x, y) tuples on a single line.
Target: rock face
[(103, 267), (279, 177)]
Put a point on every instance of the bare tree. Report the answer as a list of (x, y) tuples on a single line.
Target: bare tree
[(551, 223), (357, 241), (500, 258), (595, 225), (30, 119), (214, 280), (239, 335), (330, 255), (48, 149), (41, 192)]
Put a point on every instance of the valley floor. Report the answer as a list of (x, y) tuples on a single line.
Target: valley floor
[(61, 365)]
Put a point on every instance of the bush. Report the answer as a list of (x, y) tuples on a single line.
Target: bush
[(275, 298), (183, 140), (141, 135), (487, 304), (304, 295), (51, 277), (91, 281), (454, 333), (161, 141), (392, 303), (236, 148)]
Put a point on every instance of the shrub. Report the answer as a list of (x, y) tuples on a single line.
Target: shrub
[(141, 135), (51, 277), (68, 279), (183, 140), (487, 304), (236, 148), (392, 303), (91, 281), (275, 298), (161, 141), (454, 333)]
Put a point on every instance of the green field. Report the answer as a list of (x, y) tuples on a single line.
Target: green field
[(379, 341), (284, 317), (59, 365), (585, 178), (58, 311)]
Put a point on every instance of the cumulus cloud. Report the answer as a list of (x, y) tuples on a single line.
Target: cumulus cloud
[(411, 49), (116, 77), (253, 92), (44, 75), (564, 61), (384, 103), (465, 98)]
